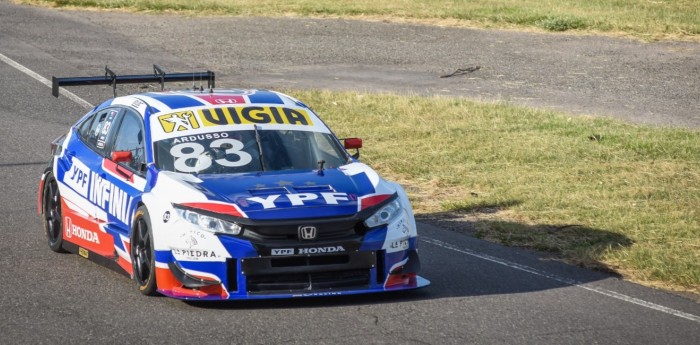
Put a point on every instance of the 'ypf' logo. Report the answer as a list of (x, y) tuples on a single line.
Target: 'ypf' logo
[(181, 121)]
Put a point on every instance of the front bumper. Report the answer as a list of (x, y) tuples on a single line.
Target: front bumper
[(256, 271)]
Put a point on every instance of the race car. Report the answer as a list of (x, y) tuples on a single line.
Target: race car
[(224, 194)]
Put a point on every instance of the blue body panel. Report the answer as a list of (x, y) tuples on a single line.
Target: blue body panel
[(268, 196)]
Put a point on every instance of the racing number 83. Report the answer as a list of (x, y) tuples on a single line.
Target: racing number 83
[(203, 160)]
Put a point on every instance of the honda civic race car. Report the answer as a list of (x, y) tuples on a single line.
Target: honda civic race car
[(217, 194)]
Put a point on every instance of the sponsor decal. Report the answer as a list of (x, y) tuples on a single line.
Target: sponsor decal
[(299, 199), (166, 216), (187, 120), (191, 242), (98, 190), (199, 137), (307, 251), (253, 115), (399, 245), (138, 104), (109, 197), (78, 177), (79, 232), (223, 99), (105, 129), (179, 121), (194, 254), (83, 252), (403, 226), (191, 238), (283, 251), (320, 250)]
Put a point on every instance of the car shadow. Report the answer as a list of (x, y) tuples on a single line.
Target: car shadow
[(460, 263), (572, 243)]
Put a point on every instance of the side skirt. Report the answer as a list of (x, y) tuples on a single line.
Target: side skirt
[(96, 258)]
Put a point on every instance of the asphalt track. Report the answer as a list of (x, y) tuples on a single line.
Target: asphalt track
[(481, 292)]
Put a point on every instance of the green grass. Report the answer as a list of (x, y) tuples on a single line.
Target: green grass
[(593, 191), (645, 19)]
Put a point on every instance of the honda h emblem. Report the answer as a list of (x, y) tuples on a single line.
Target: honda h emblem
[(307, 232)]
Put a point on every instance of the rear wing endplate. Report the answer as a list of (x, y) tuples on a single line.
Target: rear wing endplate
[(110, 78)]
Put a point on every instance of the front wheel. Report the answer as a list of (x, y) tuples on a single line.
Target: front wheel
[(53, 216), (142, 253)]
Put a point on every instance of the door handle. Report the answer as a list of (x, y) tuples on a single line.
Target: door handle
[(125, 173)]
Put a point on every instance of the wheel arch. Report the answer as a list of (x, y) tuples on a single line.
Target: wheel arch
[(42, 187)]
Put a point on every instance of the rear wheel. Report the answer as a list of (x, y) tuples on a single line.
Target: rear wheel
[(53, 216), (142, 253)]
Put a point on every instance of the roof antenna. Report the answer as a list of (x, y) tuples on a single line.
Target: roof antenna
[(112, 79), (201, 85), (211, 81), (194, 81), (158, 72)]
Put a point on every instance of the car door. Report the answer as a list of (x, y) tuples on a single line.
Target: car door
[(79, 172), (124, 178)]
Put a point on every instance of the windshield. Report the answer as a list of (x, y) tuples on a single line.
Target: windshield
[(249, 151)]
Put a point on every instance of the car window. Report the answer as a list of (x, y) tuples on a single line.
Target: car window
[(326, 148), (84, 127), (99, 129), (240, 152), (130, 137)]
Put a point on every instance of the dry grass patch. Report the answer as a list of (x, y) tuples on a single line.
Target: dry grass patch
[(648, 20)]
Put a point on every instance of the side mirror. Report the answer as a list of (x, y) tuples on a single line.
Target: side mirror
[(121, 156), (353, 143)]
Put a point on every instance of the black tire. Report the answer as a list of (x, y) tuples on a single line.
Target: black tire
[(142, 254), (53, 215)]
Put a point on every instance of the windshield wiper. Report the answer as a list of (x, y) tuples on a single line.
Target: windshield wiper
[(260, 150)]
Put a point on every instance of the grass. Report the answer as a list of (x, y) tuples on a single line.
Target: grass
[(593, 191), (644, 19)]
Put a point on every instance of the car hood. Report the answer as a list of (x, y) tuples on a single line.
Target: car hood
[(292, 194)]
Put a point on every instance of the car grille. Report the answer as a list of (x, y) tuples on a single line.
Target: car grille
[(309, 282), (305, 274), (326, 231)]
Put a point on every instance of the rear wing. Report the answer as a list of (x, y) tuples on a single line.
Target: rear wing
[(110, 78)]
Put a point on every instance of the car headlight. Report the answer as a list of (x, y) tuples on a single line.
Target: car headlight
[(384, 215), (209, 223)]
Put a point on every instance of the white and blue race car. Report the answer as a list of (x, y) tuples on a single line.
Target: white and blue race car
[(217, 194)]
